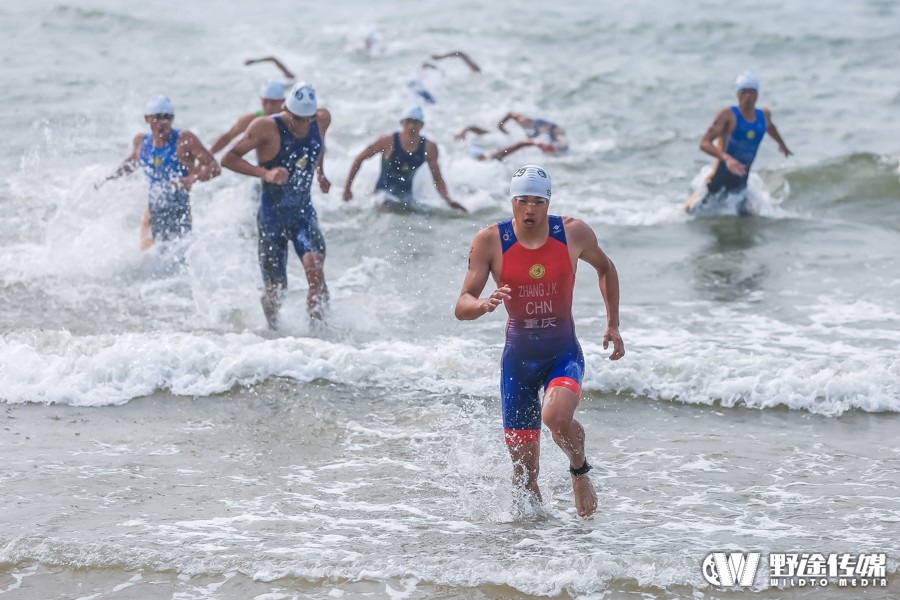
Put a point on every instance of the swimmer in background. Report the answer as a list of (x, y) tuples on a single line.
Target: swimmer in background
[(733, 140), (549, 137), (271, 97), (173, 160), (416, 84), (402, 152)]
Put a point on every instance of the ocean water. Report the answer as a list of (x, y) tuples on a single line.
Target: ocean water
[(160, 442)]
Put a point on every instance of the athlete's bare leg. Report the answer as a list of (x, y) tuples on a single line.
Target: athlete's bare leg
[(271, 303), (558, 415), (526, 458), (146, 234), (317, 298)]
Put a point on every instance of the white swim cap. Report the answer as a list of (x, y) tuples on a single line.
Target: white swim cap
[(530, 180), (301, 100), (161, 105), (747, 81), (272, 90), (413, 113)]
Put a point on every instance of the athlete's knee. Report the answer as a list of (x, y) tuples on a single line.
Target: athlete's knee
[(557, 419), (559, 407)]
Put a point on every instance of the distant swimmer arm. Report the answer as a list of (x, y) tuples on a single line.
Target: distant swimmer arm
[(382, 144), (237, 129), (773, 131), (501, 124), (722, 125), (504, 152), (585, 241), (519, 118), (483, 256), (431, 156), (459, 54), (287, 73), (470, 129)]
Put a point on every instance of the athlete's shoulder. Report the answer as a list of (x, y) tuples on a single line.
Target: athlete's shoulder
[(577, 230), (488, 235), (186, 137), (727, 112), (262, 124), (323, 117)]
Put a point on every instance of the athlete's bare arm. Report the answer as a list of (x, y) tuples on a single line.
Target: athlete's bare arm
[(237, 129), (262, 135), (128, 165), (484, 260), (583, 242), (470, 129), (323, 118), (201, 164), (284, 70), (504, 152), (773, 131), (722, 125), (459, 54), (384, 144), (431, 157), (519, 118)]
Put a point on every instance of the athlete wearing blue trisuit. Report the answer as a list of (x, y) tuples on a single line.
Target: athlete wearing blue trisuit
[(532, 259), (173, 160), (402, 152), (733, 139), (290, 147)]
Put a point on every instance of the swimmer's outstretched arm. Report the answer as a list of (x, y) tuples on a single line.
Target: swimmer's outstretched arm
[(287, 73), (522, 120), (470, 129), (504, 152), (459, 54)]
